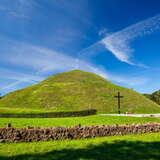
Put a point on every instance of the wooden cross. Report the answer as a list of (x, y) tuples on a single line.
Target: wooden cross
[(119, 101)]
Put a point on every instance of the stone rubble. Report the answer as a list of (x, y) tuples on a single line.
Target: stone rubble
[(29, 134)]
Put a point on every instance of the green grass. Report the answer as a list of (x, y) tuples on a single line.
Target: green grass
[(7, 110), (155, 96), (90, 120), (76, 90), (130, 147)]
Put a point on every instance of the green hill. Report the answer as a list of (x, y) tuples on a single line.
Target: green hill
[(155, 96), (77, 90)]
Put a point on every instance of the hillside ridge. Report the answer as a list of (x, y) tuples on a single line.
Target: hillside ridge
[(155, 96)]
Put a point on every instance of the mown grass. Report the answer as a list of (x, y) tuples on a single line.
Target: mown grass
[(130, 147), (7, 110), (77, 90), (72, 121)]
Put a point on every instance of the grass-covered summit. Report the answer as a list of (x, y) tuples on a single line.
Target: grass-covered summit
[(77, 90)]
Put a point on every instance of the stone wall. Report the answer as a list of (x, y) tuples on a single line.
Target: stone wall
[(10, 134)]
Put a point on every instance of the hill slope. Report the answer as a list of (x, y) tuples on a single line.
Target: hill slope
[(155, 96), (78, 90)]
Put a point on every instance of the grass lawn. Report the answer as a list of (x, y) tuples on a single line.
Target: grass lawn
[(130, 147), (72, 121)]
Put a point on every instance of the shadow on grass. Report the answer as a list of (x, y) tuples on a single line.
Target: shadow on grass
[(118, 150)]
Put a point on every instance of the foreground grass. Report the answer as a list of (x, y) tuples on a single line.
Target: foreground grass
[(72, 121), (131, 147)]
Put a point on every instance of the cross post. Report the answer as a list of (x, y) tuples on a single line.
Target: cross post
[(119, 101)]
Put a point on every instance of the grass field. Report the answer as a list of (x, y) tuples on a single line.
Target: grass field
[(89, 120), (131, 147)]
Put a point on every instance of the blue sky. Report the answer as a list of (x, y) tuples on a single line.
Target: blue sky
[(117, 39)]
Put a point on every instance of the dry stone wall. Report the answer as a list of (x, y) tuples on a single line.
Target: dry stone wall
[(29, 134)]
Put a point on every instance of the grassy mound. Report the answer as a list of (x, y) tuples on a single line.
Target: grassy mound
[(77, 90)]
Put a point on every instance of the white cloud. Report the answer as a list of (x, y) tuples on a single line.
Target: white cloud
[(37, 60), (18, 76), (127, 80), (40, 62), (19, 9), (10, 86), (119, 43), (104, 32), (120, 79)]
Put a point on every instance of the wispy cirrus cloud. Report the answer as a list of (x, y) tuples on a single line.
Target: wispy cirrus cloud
[(41, 62), (119, 43), (104, 32), (19, 9), (18, 76), (38, 61), (130, 81)]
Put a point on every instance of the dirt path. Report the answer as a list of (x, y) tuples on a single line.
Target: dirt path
[(133, 115)]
